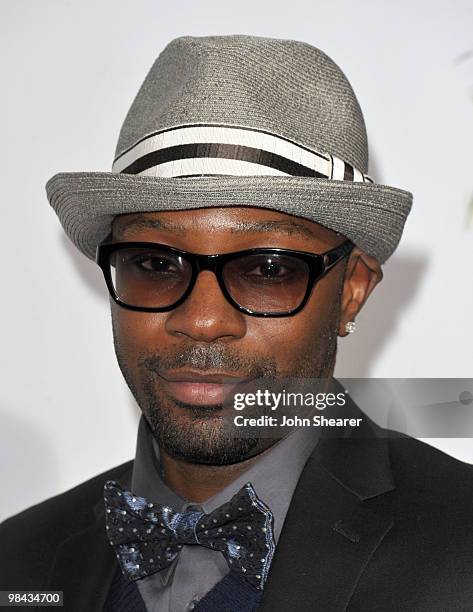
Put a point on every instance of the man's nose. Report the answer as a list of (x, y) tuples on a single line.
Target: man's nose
[(206, 315)]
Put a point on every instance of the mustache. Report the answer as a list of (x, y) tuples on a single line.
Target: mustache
[(209, 357)]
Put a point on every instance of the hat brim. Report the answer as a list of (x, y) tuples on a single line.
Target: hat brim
[(369, 214)]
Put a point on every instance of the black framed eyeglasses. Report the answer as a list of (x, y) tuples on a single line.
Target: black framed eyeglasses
[(261, 282)]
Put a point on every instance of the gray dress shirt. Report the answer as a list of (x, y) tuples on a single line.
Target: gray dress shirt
[(197, 569)]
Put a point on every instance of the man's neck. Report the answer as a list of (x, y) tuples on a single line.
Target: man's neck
[(199, 482)]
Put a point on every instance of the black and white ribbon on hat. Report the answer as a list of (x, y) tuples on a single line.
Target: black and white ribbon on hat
[(196, 150)]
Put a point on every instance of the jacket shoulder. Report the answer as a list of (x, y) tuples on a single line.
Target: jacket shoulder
[(29, 539), (433, 491), (423, 470)]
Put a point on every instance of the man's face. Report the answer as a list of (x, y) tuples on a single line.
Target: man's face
[(207, 334)]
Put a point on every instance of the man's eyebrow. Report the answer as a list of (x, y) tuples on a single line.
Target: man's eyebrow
[(121, 230), (287, 227), (240, 227)]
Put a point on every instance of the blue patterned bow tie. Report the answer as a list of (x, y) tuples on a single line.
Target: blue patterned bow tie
[(147, 536)]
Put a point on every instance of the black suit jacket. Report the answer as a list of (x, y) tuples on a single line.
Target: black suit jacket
[(375, 524)]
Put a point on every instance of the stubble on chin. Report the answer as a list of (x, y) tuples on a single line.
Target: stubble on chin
[(200, 434), (195, 434)]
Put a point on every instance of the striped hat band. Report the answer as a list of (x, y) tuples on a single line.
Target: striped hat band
[(211, 150)]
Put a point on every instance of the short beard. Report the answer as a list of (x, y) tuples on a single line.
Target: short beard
[(202, 436)]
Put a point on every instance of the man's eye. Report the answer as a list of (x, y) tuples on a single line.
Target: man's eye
[(268, 270), (156, 264)]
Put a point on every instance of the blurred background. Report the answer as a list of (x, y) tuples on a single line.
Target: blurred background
[(69, 73)]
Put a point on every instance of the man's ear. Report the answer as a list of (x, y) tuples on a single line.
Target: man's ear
[(362, 274)]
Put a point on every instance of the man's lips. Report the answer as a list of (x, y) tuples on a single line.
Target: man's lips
[(198, 388)]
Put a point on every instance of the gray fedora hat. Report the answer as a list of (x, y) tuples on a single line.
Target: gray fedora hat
[(239, 121)]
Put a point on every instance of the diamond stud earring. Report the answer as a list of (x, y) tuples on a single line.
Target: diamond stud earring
[(350, 327)]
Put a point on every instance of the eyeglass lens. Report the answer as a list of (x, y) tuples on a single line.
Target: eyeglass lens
[(156, 278)]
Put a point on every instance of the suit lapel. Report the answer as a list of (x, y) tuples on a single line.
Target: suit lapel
[(84, 569), (85, 564), (330, 534)]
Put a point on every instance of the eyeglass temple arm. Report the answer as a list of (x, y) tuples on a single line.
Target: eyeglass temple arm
[(334, 256), (106, 240)]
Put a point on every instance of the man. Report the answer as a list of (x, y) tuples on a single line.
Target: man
[(239, 236)]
